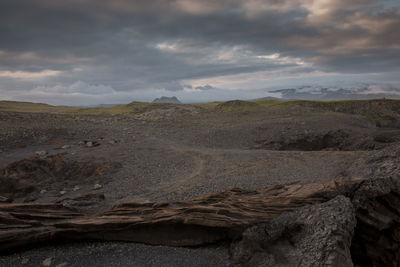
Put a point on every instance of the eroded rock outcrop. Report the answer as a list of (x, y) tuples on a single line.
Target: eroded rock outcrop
[(340, 223), (200, 221)]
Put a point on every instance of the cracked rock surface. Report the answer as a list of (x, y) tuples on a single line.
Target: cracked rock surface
[(317, 235)]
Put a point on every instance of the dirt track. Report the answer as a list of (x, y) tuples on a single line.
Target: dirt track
[(192, 154)]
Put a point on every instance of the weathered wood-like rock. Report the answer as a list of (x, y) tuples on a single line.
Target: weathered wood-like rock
[(374, 204), (199, 221)]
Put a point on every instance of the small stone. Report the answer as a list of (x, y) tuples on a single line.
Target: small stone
[(92, 143), (66, 146), (25, 261), (63, 192), (257, 146), (81, 142), (47, 262), (112, 142), (76, 188), (43, 191), (97, 186), (4, 199), (30, 199), (41, 153), (62, 264)]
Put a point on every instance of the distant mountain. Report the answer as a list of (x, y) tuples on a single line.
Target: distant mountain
[(361, 91), (165, 99)]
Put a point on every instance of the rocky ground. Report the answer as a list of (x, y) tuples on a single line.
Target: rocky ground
[(93, 162)]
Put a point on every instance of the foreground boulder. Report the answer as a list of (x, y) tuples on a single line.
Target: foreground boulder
[(333, 223), (317, 235)]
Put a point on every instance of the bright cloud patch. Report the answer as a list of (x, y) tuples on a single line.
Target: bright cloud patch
[(25, 75), (78, 87)]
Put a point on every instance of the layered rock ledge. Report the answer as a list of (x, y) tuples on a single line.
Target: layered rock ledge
[(339, 223)]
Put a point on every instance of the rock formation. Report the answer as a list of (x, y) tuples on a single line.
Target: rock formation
[(329, 224), (317, 235)]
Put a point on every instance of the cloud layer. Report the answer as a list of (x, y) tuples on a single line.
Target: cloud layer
[(177, 45)]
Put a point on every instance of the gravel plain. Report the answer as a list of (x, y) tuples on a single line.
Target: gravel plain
[(183, 156)]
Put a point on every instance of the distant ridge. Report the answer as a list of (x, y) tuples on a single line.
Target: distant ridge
[(356, 92), (266, 98), (102, 105), (165, 99)]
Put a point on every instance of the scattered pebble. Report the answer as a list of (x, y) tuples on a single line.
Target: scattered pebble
[(66, 146), (97, 186), (62, 264), (25, 261), (41, 153), (89, 144), (4, 199), (30, 199), (43, 191), (76, 188), (63, 192), (47, 262)]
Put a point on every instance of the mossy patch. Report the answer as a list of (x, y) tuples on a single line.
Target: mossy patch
[(236, 105), (210, 105)]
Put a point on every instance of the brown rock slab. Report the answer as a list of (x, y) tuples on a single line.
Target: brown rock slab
[(181, 223)]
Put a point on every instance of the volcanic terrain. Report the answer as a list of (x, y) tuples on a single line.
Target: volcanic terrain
[(90, 160)]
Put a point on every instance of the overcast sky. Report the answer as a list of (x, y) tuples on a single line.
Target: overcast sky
[(80, 52)]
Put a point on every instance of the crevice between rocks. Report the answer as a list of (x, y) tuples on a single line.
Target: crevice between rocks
[(376, 240)]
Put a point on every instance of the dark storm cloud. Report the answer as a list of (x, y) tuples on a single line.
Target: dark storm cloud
[(158, 44)]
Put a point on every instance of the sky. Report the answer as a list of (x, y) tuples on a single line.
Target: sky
[(86, 52)]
